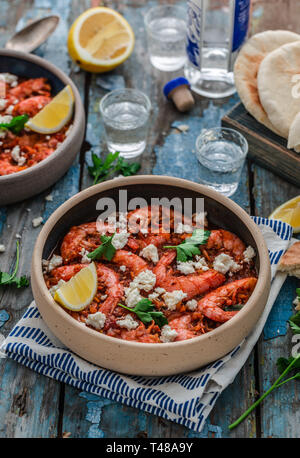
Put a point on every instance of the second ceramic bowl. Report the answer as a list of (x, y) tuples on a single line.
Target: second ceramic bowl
[(27, 183)]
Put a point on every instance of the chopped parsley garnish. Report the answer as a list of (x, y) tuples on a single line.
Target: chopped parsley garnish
[(11, 279), (16, 124), (105, 250), (189, 247), (146, 312)]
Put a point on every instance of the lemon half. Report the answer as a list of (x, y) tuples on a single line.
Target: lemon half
[(80, 290), (289, 212), (100, 39), (55, 115)]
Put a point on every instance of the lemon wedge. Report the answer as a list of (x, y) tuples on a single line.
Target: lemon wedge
[(55, 115), (289, 212), (100, 39), (80, 290)]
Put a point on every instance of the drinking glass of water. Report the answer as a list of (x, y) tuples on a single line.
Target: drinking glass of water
[(221, 153), (125, 114), (166, 35)]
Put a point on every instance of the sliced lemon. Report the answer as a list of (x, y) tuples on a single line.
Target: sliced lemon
[(78, 293), (289, 212), (55, 115), (100, 39)]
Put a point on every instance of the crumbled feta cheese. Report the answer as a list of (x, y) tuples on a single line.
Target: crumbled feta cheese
[(40, 106), (168, 334), (173, 298), (2, 248), (192, 305), (153, 296), (96, 320), (249, 253), (182, 127), (296, 303), (36, 222), (224, 263), (119, 240), (9, 109), (15, 102), (144, 280), (160, 290), (5, 119), (55, 261), (102, 298), (122, 268), (17, 157), (3, 133), (128, 322), (49, 198), (200, 263), (186, 267), (150, 252), (14, 84), (48, 137), (18, 236), (183, 228), (3, 103), (55, 288), (84, 259), (9, 78), (132, 296)]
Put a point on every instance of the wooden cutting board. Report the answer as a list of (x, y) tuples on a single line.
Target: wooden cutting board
[(265, 148)]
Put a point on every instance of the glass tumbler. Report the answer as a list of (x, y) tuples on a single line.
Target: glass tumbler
[(221, 153), (166, 36), (125, 114)]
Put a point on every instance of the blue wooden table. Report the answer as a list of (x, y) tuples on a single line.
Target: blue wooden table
[(32, 405)]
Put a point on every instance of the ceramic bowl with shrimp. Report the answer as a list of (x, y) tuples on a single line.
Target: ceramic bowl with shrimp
[(31, 162), (173, 293)]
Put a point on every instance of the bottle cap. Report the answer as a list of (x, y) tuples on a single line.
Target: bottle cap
[(178, 90)]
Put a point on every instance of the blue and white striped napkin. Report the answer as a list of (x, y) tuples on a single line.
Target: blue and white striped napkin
[(186, 399)]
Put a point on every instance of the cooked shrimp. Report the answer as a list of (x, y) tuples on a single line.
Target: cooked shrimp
[(141, 334), (34, 86), (183, 326), (31, 106), (113, 287), (226, 241), (134, 262), (84, 236), (6, 168), (232, 293), (192, 284), (65, 272)]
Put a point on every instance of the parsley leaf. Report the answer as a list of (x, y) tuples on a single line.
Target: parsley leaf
[(298, 292), (189, 247), (294, 322), (146, 312), (105, 250), (10, 279), (102, 169), (16, 124)]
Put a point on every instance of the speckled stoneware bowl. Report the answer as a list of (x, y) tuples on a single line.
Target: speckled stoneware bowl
[(141, 358), (27, 183)]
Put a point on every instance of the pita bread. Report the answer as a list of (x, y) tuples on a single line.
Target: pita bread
[(247, 65), (294, 134), (290, 261), (276, 86)]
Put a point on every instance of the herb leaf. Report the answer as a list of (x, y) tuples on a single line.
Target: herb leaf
[(10, 279), (106, 249), (102, 169), (16, 124), (146, 312), (294, 322), (189, 247)]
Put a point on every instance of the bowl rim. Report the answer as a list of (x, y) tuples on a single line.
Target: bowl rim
[(264, 267), (77, 117)]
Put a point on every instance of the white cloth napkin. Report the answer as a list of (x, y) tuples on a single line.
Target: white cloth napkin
[(186, 398)]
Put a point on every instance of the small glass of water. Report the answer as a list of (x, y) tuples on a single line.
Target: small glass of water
[(125, 114), (166, 36), (221, 153)]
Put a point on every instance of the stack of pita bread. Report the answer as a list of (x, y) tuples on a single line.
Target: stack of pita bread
[(290, 261), (267, 78)]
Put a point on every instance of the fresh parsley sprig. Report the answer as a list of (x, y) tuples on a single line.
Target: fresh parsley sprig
[(285, 366), (189, 247), (102, 169), (11, 279), (16, 124), (146, 312), (105, 250)]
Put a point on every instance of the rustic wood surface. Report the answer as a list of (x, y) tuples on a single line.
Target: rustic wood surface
[(35, 406)]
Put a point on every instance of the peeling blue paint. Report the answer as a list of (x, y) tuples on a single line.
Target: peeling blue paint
[(276, 324), (4, 317), (95, 405), (207, 431), (2, 218)]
